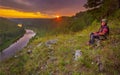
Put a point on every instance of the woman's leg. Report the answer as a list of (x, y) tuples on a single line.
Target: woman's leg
[(92, 38), (91, 41)]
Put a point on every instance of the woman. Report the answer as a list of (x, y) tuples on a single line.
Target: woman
[(103, 32)]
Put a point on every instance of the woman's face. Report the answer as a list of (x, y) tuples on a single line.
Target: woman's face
[(103, 23)]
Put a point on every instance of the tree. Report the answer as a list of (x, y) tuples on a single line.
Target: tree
[(109, 7), (118, 3), (105, 7), (93, 3)]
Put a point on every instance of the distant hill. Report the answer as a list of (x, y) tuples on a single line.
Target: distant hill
[(33, 22), (43, 26)]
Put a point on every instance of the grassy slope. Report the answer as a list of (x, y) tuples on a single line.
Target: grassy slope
[(60, 59), (9, 32)]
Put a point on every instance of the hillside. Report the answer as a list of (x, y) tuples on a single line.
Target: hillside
[(58, 58), (9, 32)]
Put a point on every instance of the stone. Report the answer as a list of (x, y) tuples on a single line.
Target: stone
[(78, 54), (51, 42)]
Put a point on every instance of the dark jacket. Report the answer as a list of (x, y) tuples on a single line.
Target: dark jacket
[(104, 30)]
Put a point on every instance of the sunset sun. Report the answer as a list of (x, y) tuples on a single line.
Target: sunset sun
[(57, 16)]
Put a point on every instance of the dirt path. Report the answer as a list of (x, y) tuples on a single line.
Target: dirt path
[(17, 46)]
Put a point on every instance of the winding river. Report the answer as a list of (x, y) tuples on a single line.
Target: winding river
[(17, 46)]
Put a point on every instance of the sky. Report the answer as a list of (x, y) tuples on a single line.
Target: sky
[(40, 8)]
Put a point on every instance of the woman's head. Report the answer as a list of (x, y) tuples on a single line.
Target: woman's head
[(104, 22)]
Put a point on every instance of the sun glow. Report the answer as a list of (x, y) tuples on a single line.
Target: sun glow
[(10, 13), (57, 16)]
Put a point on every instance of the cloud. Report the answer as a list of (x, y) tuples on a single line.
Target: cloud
[(24, 2), (15, 4), (51, 7)]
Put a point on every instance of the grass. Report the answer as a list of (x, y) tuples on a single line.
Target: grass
[(59, 59)]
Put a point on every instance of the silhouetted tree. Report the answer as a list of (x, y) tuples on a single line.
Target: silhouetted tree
[(106, 7), (93, 3), (109, 6), (119, 3)]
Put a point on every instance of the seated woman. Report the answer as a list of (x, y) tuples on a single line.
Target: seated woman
[(103, 32)]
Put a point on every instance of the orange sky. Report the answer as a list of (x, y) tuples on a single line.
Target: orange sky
[(10, 13)]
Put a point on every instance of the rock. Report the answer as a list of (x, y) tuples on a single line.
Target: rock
[(29, 51), (50, 42), (78, 54)]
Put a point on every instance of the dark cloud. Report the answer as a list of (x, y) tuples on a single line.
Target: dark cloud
[(45, 6), (13, 4)]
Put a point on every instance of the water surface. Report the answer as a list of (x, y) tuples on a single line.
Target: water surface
[(18, 45)]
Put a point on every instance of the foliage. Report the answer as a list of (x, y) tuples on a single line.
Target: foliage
[(80, 21), (93, 3), (103, 8)]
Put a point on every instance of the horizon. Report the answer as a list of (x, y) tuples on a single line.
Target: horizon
[(40, 9), (37, 18)]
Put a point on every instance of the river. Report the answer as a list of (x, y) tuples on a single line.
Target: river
[(17, 46)]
